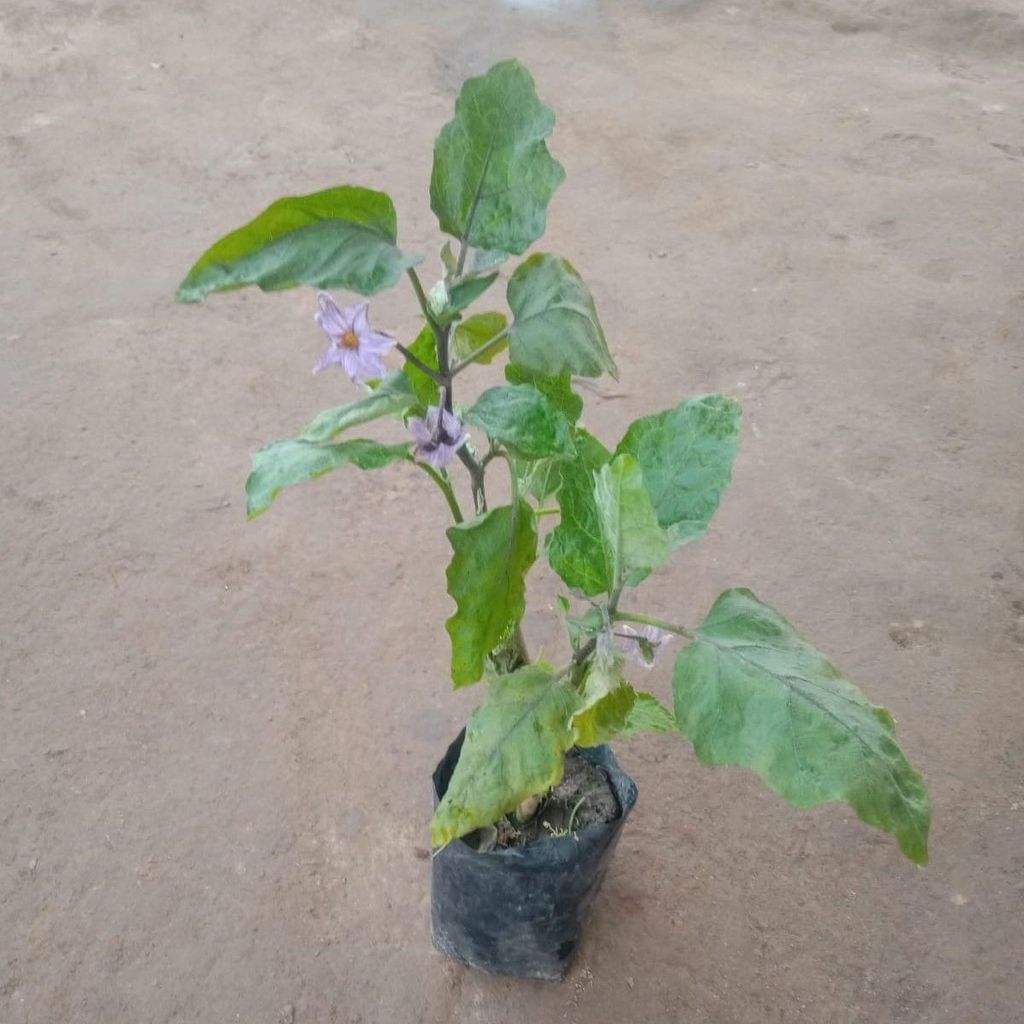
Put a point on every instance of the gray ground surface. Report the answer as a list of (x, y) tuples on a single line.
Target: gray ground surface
[(215, 738)]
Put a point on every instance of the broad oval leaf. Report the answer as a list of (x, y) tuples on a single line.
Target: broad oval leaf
[(487, 579), (472, 334), (519, 416), (394, 395), (631, 538), (339, 238), (555, 327), (493, 176), (751, 691), (558, 389), (284, 463), (514, 748), (686, 455)]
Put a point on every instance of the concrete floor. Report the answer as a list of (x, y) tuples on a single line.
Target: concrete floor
[(216, 737)]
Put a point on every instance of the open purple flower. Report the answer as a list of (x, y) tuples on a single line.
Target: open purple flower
[(439, 436), (642, 645), (354, 346)]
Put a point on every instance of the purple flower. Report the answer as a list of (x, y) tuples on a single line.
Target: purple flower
[(354, 346), (642, 645), (438, 436)]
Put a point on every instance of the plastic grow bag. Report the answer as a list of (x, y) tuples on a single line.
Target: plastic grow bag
[(520, 911)]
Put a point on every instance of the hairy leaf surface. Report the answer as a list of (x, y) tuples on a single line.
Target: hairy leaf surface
[(339, 238), (514, 748), (519, 416), (487, 579), (555, 328), (284, 463), (751, 691), (686, 455), (493, 176), (393, 396)]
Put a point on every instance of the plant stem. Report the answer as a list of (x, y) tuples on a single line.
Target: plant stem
[(446, 490), (538, 512), (646, 620), (470, 359), (476, 479), (421, 297), (420, 365)]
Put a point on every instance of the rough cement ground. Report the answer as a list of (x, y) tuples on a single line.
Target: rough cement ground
[(215, 738)]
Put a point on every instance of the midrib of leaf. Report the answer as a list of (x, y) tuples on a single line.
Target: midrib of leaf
[(787, 683), (495, 754), (474, 206)]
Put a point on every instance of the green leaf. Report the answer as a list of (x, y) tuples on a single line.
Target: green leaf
[(493, 176), (574, 547), (555, 328), (284, 463), (631, 538), (686, 455), (514, 748), (425, 349), (487, 578), (340, 238), (648, 714), (519, 416), (394, 395), (465, 293), (751, 691), (607, 719), (474, 333), (558, 389)]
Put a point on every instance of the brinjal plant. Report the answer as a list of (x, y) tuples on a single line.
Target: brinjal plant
[(748, 688)]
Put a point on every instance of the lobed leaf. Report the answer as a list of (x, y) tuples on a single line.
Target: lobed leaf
[(339, 238), (751, 691), (284, 463), (487, 579), (558, 389), (686, 455), (519, 416), (514, 748), (555, 327), (648, 714), (493, 176)]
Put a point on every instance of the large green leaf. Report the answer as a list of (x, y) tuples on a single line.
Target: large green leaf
[(632, 541), (284, 463), (425, 349), (394, 395), (555, 328), (472, 334), (339, 238), (514, 747), (519, 416), (751, 691), (493, 176), (557, 389), (686, 455), (574, 547), (487, 579), (606, 697)]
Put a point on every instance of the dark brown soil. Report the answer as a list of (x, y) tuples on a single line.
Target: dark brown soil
[(583, 797)]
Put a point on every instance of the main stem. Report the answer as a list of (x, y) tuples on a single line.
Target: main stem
[(646, 620)]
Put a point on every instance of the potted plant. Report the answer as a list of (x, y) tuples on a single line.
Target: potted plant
[(529, 800)]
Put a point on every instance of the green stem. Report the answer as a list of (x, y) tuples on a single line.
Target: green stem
[(646, 620), (538, 512), (446, 490), (421, 297), (420, 365), (484, 348)]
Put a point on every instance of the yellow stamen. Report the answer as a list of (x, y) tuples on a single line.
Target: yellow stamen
[(349, 339)]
